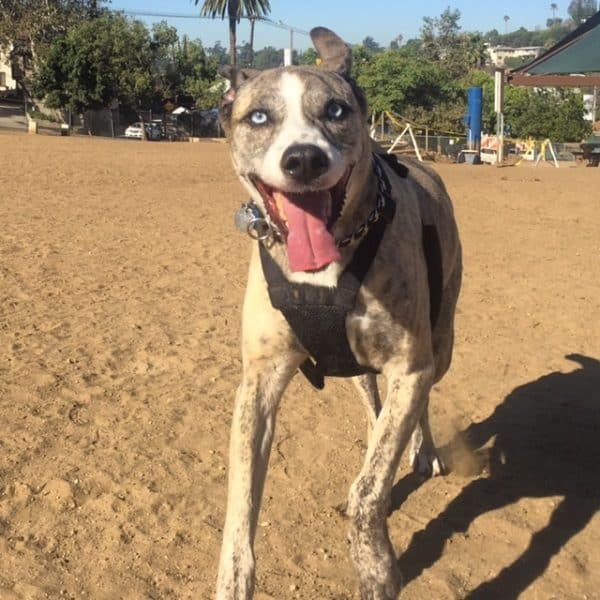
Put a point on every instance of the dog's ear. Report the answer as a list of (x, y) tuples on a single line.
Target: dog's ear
[(334, 52)]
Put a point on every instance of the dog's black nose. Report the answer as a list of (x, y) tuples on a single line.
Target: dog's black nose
[(304, 162)]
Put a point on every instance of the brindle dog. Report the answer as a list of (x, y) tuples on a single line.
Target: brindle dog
[(301, 146)]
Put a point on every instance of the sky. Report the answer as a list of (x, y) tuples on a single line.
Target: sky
[(353, 20)]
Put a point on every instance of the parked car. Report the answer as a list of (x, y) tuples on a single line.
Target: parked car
[(135, 131)]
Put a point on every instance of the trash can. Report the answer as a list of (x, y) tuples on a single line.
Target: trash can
[(64, 129)]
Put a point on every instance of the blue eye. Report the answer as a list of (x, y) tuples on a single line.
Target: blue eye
[(336, 111), (258, 117)]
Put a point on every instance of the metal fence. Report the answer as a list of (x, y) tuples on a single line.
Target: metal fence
[(174, 127)]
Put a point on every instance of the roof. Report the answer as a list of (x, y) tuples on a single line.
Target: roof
[(578, 53)]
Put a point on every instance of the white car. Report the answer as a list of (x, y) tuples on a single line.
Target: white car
[(135, 131)]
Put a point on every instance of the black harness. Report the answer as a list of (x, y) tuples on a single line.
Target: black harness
[(317, 314)]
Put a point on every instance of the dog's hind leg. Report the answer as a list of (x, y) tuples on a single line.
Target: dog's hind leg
[(369, 497), (422, 455), (369, 395)]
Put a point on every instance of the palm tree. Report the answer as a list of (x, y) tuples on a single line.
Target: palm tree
[(235, 10), (553, 8), (506, 20)]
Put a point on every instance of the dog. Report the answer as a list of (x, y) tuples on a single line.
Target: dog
[(372, 245)]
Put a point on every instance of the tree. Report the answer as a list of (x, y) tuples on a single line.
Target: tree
[(506, 19), (235, 10), (308, 57), (113, 58), (102, 60), (371, 45), (268, 58), (193, 75), (442, 41), (219, 53), (439, 35), (405, 84), (396, 42), (581, 10), (35, 24)]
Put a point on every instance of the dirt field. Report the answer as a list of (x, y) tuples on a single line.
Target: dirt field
[(121, 279)]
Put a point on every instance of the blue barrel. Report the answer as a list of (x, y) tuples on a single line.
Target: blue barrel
[(473, 117)]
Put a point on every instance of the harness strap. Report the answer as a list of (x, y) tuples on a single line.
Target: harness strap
[(317, 314)]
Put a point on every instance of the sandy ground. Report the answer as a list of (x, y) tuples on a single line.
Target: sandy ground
[(121, 278)]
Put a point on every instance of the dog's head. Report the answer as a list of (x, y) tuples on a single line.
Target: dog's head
[(299, 140)]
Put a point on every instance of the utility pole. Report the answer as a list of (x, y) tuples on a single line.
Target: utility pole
[(499, 109), (288, 53)]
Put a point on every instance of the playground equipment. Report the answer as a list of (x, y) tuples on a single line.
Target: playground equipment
[(398, 124), (399, 134)]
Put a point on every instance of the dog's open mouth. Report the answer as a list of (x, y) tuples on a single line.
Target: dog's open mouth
[(305, 220)]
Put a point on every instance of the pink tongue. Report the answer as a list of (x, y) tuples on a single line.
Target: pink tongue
[(310, 245)]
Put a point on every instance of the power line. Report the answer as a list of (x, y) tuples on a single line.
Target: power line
[(168, 15), (146, 13)]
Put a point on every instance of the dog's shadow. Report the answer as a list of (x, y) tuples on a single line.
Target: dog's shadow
[(546, 444)]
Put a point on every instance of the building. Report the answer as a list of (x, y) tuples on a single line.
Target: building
[(500, 54), (7, 81)]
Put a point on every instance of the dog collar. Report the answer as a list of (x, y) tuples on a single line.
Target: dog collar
[(383, 200), (251, 220)]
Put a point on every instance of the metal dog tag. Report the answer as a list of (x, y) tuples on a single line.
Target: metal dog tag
[(248, 219)]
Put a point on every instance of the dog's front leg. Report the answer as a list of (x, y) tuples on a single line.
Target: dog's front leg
[(252, 428), (369, 498)]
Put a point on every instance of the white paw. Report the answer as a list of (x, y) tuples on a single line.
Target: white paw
[(427, 465), (424, 461)]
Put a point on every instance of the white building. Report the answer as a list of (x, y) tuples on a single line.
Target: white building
[(7, 82), (499, 54)]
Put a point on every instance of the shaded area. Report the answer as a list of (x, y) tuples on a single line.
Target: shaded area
[(546, 445)]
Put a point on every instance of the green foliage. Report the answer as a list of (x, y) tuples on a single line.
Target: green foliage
[(97, 62), (41, 116), (194, 74), (523, 37), (240, 8), (33, 23), (218, 53), (426, 81), (112, 58), (308, 57), (371, 45), (443, 42), (420, 90), (267, 58), (235, 10), (581, 10), (549, 113), (554, 114)]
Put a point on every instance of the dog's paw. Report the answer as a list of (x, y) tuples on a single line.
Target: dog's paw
[(423, 457), (427, 464)]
